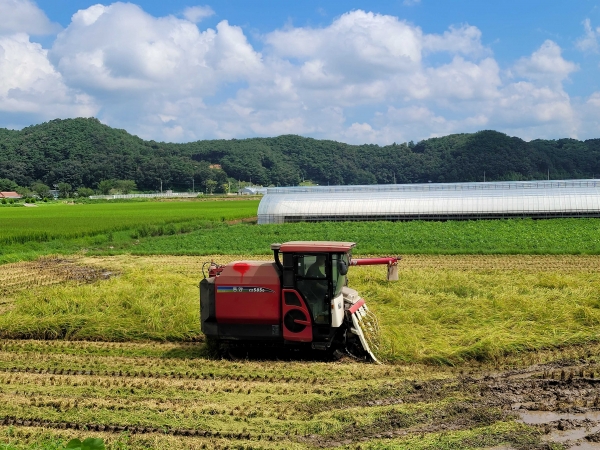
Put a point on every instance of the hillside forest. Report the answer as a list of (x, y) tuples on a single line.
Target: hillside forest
[(84, 154)]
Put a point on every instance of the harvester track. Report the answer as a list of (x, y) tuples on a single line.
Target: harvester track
[(119, 428), (161, 375), (165, 393)]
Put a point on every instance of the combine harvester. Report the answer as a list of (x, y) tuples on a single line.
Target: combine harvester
[(300, 302)]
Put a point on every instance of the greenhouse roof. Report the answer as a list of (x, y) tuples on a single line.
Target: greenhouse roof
[(438, 201)]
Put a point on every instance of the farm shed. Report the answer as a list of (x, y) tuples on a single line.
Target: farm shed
[(9, 194), (432, 201)]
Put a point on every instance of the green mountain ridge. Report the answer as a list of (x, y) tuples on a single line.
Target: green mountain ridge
[(83, 152)]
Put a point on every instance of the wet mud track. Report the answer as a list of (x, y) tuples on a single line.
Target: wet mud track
[(561, 399), (163, 395)]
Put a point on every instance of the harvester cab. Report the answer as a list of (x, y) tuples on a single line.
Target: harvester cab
[(299, 299)]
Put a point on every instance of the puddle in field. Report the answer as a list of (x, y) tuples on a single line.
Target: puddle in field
[(542, 417), (579, 430)]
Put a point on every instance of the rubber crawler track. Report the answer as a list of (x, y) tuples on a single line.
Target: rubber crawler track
[(111, 428)]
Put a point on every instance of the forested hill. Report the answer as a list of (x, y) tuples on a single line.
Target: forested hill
[(83, 152)]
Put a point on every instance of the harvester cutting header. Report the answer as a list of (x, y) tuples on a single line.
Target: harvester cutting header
[(300, 301)]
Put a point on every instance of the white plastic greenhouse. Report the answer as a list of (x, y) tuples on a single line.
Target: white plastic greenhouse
[(432, 201)]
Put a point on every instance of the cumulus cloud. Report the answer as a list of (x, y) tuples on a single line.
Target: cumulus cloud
[(196, 14), (546, 64), (465, 40), (122, 48), (23, 16), (364, 77), (30, 84), (357, 45)]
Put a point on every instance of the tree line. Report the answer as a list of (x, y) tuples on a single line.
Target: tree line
[(85, 154)]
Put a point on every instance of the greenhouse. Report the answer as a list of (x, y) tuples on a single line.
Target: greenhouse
[(432, 201)]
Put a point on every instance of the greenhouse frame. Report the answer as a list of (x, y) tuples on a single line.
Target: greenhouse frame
[(432, 201)]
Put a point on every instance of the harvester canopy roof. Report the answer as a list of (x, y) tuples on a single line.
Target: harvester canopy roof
[(317, 246)]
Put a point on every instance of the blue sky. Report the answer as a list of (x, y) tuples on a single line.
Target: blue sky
[(353, 71)]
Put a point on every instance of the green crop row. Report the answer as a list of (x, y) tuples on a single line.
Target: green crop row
[(515, 236)]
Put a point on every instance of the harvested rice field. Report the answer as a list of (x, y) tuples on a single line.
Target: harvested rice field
[(479, 352)]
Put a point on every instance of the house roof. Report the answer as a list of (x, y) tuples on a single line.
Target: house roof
[(9, 194)]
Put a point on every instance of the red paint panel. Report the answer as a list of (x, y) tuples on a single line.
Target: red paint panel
[(374, 261), (261, 306), (241, 267), (357, 305), (304, 335)]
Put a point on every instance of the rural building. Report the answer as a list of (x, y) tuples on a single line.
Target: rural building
[(9, 194), (253, 190), (432, 201)]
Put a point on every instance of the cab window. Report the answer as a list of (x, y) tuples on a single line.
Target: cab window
[(339, 280)]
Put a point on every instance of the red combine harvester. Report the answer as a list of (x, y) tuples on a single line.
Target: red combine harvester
[(302, 301)]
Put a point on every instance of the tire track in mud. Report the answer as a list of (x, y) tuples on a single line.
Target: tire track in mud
[(568, 390), (119, 428), (161, 375), (460, 402)]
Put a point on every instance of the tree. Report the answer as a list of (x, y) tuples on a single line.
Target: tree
[(210, 185), (8, 185), (124, 186), (84, 192), (64, 190), (105, 186), (40, 189)]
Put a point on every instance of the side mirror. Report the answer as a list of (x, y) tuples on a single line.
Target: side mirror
[(342, 267)]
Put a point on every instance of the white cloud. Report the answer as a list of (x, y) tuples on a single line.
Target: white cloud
[(30, 84), (122, 48), (23, 16), (365, 77), (196, 14), (464, 80), (465, 40), (546, 64), (589, 42), (594, 99), (358, 45)]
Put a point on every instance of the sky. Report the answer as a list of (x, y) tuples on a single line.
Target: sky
[(354, 71)]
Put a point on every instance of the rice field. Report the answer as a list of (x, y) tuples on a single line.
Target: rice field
[(67, 221), (114, 351), (443, 310), (100, 337)]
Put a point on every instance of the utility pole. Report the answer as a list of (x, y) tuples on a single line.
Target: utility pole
[(160, 185), (484, 176), (193, 187)]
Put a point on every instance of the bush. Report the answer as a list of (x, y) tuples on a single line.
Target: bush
[(4, 201)]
